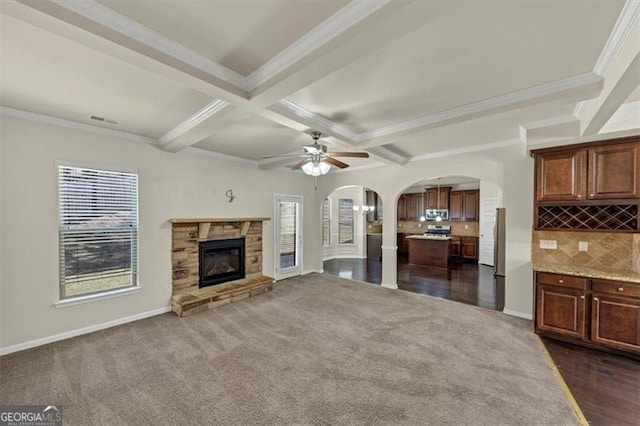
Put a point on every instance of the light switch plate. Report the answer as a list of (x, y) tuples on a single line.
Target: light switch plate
[(583, 246), (548, 244)]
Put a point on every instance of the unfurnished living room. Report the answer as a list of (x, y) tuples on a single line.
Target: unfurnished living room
[(320, 212)]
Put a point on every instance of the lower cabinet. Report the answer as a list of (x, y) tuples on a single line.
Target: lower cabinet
[(455, 247), (598, 312), (465, 248)]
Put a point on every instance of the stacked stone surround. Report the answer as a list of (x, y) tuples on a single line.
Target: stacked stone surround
[(186, 234)]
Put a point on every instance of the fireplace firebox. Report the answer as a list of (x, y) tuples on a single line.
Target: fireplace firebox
[(221, 261)]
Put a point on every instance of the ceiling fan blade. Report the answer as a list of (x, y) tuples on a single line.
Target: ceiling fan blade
[(349, 154), (336, 163), (300, 164)]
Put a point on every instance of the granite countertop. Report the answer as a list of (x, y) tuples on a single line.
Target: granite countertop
[(424, 237), (583, 271), (374, 233)]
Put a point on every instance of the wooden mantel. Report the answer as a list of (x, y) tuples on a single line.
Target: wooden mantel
[(217, 220)]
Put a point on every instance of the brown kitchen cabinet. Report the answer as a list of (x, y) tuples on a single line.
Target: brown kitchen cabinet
[(412, 206), (615, 315), (561, 305), (464, 205), (607, 171), (595, 312), (469, 248), (374, 246), (455, 247), (437, 199), (402, 207)]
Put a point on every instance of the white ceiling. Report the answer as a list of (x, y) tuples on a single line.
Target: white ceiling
[(399, 79)]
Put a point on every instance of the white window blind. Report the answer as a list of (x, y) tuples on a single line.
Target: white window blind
[(326, 222), (98, 230), (345, 221)]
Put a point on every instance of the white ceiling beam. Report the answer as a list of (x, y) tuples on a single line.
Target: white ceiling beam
[(618, 64), (553, 129), (576, 88)]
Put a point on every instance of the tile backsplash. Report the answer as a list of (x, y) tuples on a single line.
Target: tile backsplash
[(606, 250), (457, 228)]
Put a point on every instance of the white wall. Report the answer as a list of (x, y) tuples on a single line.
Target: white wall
[(357, 249), (509, 168), (170, 186)]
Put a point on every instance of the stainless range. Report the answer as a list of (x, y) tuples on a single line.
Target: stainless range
[(438, 231)]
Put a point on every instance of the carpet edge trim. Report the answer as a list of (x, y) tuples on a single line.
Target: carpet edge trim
[(563, 384), (6, 350)]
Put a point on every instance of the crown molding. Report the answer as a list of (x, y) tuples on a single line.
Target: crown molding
[(219, 155), (627, 20), (47, 119), (98, 13), (345, 18), (460, 151), (484, 106), (214, 107)]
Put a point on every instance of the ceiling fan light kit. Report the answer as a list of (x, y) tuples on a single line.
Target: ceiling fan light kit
[(314, 168)]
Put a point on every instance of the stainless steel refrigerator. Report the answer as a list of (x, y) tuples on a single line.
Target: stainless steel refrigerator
[(499, 243)]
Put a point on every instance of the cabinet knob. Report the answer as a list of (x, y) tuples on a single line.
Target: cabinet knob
[(596, 299), (560, 281), (579, 196), (590, 195), (620, 288), (581, 297)]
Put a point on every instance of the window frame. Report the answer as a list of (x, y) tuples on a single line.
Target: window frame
[(134, 286), (328, 222), (350, 242)]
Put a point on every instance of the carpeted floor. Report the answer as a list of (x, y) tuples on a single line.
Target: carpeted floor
[(317, 350)]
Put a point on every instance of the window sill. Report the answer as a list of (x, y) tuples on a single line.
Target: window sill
[(65, 303)]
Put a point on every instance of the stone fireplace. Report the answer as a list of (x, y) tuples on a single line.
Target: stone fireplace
[(215, 261)]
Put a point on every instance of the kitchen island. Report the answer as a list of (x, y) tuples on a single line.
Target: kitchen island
[(429, 251)]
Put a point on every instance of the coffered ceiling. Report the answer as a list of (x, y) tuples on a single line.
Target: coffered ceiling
[(246, 80)]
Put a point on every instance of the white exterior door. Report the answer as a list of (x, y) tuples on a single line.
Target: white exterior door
[(488, 208), (287, 236)]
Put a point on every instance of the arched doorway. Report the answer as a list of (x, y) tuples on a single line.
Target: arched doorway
[(352, 233), (445, 229)]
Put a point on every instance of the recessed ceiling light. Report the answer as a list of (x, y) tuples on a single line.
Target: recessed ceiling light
[(102, 119)]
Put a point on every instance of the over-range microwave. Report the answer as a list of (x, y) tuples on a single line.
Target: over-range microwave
[(436, 214)]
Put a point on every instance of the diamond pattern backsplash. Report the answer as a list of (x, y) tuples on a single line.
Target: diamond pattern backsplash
[(610, 251)]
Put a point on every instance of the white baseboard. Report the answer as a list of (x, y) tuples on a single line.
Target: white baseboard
[(391, 286), (80, 331), (343, 256), (313, 271), (517, 314)]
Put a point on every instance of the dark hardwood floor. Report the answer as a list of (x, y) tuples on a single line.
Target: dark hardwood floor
[(605, 386), (468, 283)]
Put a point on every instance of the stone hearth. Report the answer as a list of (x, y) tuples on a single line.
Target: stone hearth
[(186, 235)]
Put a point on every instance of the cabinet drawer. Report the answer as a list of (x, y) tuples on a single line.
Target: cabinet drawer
[(561, 280), (616, 287)]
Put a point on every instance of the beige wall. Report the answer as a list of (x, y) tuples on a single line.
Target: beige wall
[(170, 186), (508, 168)]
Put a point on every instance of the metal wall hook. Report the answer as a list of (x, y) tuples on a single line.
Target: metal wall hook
[(230, 195)]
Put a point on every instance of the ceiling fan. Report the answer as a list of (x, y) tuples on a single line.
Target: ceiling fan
[(317, 160)]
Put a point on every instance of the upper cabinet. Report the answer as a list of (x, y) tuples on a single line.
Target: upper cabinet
[(595, 173), (591, 187), (437, 198), (464, 205), (410, 207)]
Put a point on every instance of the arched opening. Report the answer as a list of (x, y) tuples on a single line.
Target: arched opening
[(351, 235), (450, 238)]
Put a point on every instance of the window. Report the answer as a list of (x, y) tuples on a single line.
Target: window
[(326, 222), (98, 230), (345, 221)]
